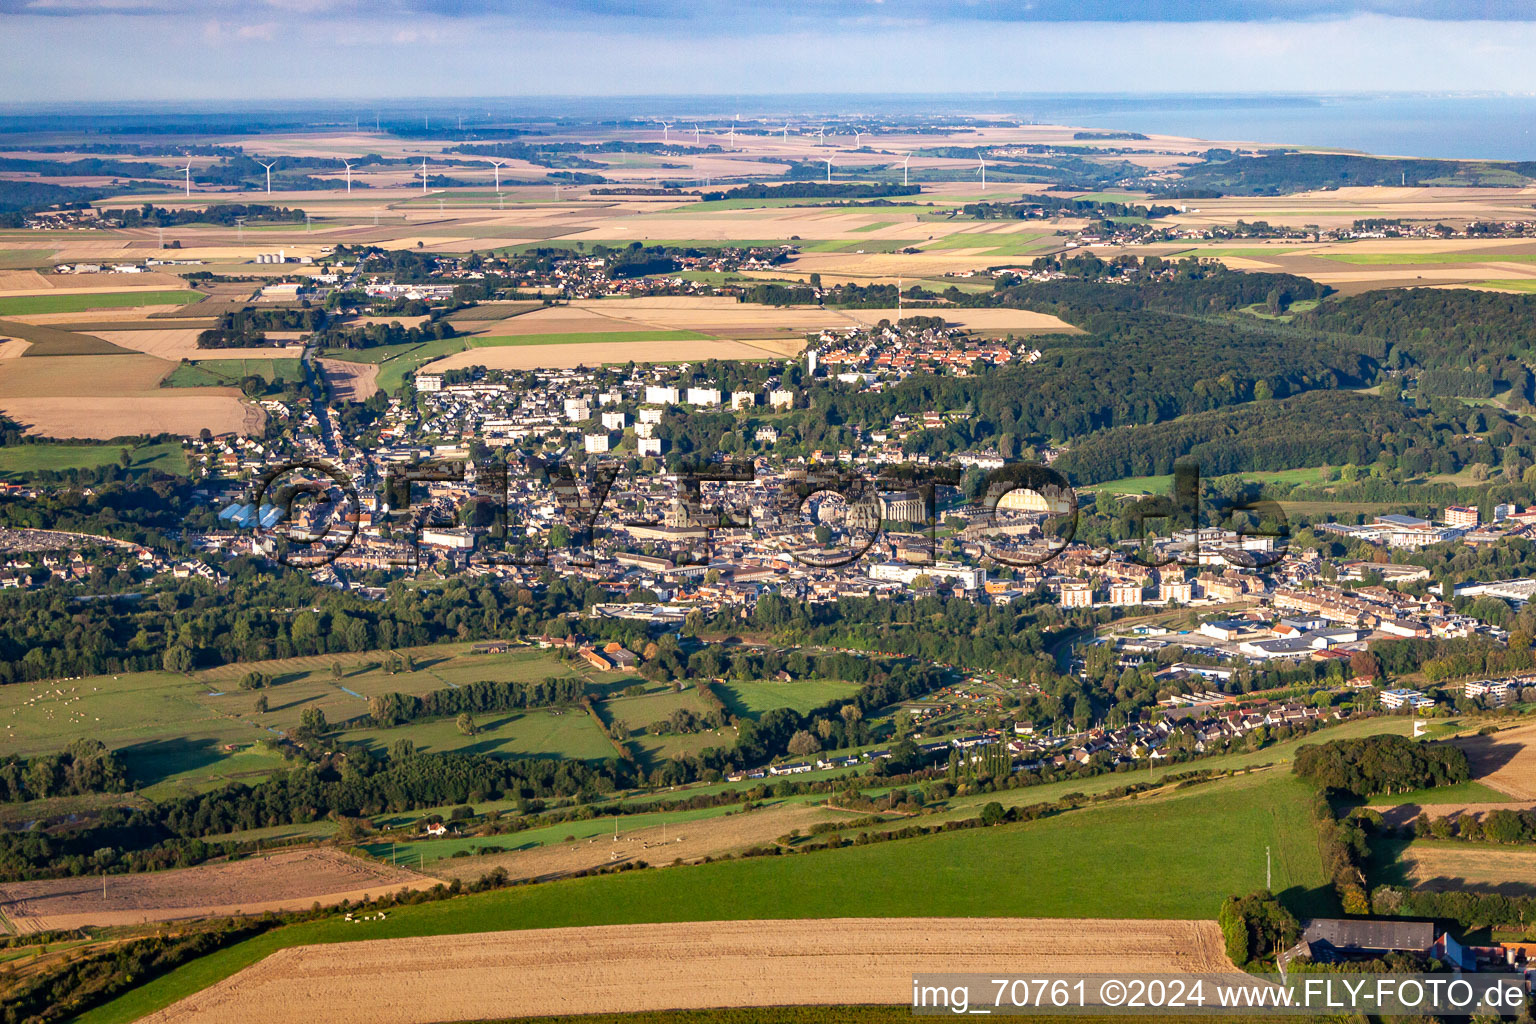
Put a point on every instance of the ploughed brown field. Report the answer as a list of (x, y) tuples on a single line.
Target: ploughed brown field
[(634, 968), (281, 881), (1505, 760)]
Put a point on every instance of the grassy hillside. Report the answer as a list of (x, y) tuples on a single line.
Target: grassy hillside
[(1174, 856)]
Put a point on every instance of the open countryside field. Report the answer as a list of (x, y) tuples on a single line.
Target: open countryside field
[(658, 839), (1064, 867), (75, 301), (178, 343), (567, 732), (177, 732), (1505, 760), (530, 357), (20, 461), (350, 382), (748, 699), (655, 967), (291, 880), (1444, 865), (230, 372), (115, 395)]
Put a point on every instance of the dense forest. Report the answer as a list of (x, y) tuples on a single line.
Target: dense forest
[(1312, 429), (1279, 173), (1379, 764)]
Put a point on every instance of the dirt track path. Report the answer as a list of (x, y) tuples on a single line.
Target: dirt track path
[(618, 968)]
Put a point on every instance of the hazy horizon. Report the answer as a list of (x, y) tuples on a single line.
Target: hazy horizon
[(118, 50)]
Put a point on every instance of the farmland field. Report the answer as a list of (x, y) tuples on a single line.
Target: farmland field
[(655, 967), (74, 302), (1505, 760), (178, 732), (19, 461), (1071, 866), (528, 357), (283, 881), (544, 732), (229, 372), (1453, 864), (608, 337), (750, 699), (396, 362)]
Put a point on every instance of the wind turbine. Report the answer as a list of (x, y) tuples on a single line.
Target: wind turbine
[(983, 171), (784, 133), (497, 164), (423, 175), (269, 175), (188, 170), (829, 170), (904, 163), (666, 127), (732, 134), (349, 176), (821, 133), (857, 135), (695, 135)]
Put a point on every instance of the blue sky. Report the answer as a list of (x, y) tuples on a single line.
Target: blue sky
[(344, 49)]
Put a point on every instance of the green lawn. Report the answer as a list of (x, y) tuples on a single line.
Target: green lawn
[(74, 302), (17, 462), (750, 699), (207, 373), (1177, 857), (1461, 793), (193, 731), (545, 732), (602, 337)]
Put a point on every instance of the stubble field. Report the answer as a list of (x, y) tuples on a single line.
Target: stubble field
[(1505, 760), (282, 881), (661, 966)]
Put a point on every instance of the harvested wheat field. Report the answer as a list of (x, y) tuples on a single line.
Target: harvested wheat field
[(532, 357), (220, 410), (350, 382), (1400, 815), (635, 968), (106, 396), (177, 343), (23, 282), (1451, 865), (1505, 760), (658, 844), (281, 881)]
